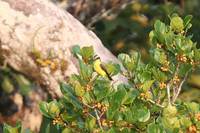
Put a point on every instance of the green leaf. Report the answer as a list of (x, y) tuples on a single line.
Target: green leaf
[(66, 89), (169, 111), (121, 123), (188, 26), (184, 68), (130, 115), (143, 115), (87, 53), (154, 128), (9, 129), (87, 98), (158, 75), (115, 102), (85, 71), (159, 56), (112, 130), (198, 125), (69, 95), (48, 128), (90, 123), (170, 123), (177, 24), (144, 74), (159, 27), (53, 108), (81, 124), (197, 54), (23, 83), (112, 68), (127, 61), (136, 56), (127, 130), (67, 130), (19, 126), (151, 36), (78, 88), (44, 107), (169, 39), (118, 116), (147, 85), (7, 85), (76, 50), (187, 20), (185, 121), (193, 107), (69, 116), (101, 89), (130, 96), (73, 100), (178, 44), (186, 45)]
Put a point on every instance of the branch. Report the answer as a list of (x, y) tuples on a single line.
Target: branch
[(153, 102), (104, 13), (179, 88), (98, 119), (171, 82), (168, 93), (91, 107)]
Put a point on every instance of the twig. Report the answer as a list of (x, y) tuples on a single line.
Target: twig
[(151, 90), (179, 88), (98, 119), (153, 102), (92, 115), (168, 93), (103, 13), (174, 90), (91, 107), (102, 114), (96, 113), (170, 83)]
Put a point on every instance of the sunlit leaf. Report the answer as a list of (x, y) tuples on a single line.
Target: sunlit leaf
[(143, 115)]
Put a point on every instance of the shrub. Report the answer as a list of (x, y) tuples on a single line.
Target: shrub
[(147, 102)]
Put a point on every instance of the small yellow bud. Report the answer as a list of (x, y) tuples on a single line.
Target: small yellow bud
[(176, 79), (192, 129), (177, 24), (197, 116), (162, 85)]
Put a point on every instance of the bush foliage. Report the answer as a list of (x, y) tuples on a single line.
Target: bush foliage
[(147, 102)]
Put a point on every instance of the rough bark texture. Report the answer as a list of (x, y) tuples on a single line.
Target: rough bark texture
[(38, 25)]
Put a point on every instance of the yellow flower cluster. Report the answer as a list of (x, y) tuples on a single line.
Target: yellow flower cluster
[(165, 67)]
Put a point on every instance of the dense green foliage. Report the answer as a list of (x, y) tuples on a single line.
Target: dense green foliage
[(173, 56), (146, 103)]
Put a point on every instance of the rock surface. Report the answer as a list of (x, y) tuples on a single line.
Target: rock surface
[(40, 26)]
